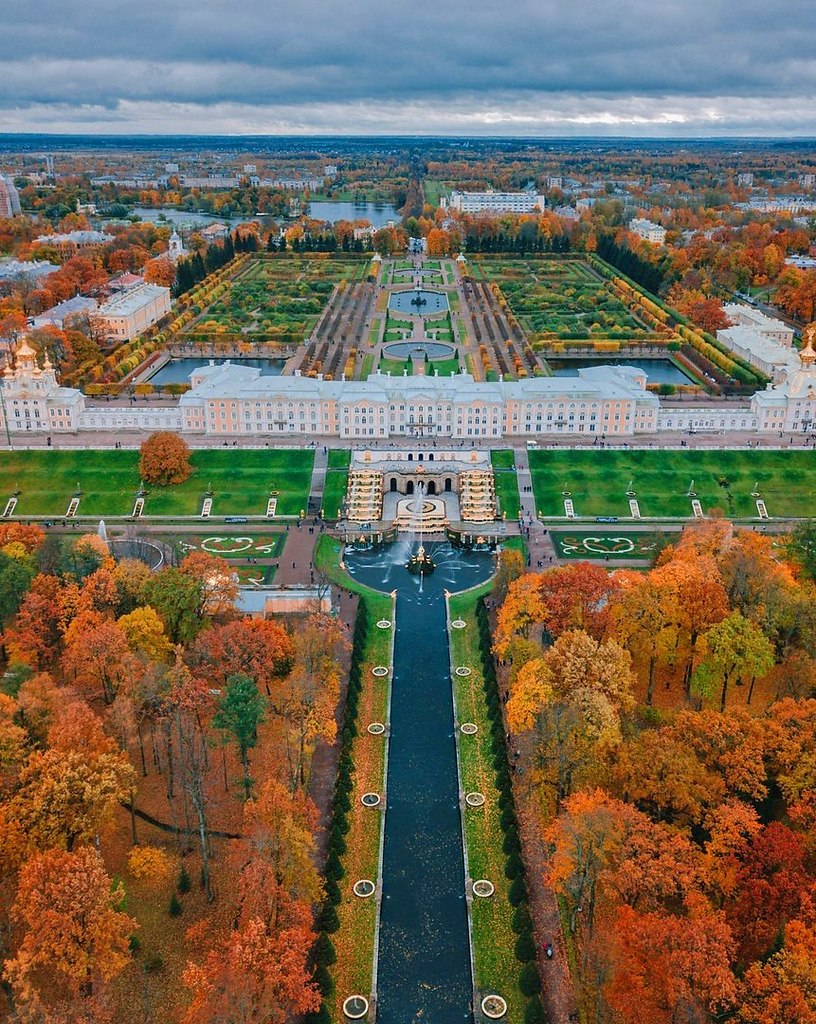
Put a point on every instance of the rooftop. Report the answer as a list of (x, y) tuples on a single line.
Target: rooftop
[(133, 299)]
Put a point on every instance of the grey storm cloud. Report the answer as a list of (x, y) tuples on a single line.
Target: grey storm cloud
[(526, 66)]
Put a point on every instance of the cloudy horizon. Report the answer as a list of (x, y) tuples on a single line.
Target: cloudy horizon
[(681, 69)]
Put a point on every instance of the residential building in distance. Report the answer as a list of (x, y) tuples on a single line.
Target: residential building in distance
[(61, 315), (69, 243), (555, 181), (295, 184), (124, 281), (763, 341), (801, 262), (214, 232), (648, 230), (782, 204), (9, 198), (745, 179), (767, 326), (11, 269), (807, 180), (773, 358), (496, 202), (217, 181), (132, 312)]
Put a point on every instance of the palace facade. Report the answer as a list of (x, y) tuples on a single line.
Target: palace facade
[(229, 400)]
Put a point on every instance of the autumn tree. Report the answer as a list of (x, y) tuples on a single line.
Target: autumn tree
[(257, 974), (700, 602), (217, 581), (646, 616), (164, 459), (34, 636), (259, 648), (144, 633), (177, 597), (241, 709), (65, 796), (737, 650), (281, 827), (160, 271), (95, 655), (76, 937), (668, 967), (306, 698), (783, 989), (573, 695), (773, 888)]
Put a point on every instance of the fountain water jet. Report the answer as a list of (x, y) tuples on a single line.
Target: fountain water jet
[(421, 563)]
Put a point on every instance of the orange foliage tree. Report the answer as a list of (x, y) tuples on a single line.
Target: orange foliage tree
[(164, 459), (76, 937), (258, 974)]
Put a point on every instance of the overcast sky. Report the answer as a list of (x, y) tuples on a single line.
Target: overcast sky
[(529, 67)]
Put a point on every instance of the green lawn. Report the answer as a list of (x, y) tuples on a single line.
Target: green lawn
[(493, 937), (506, 482), (598, 481), (334, 491), (109, 479)]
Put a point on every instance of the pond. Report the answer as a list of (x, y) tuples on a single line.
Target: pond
[(377, 214), (419, 302), (424, 961), (187, 219), (177, 371), (407, 349), (658, 371)]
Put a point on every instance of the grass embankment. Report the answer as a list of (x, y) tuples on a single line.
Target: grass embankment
[(598, 481), (336, 485), (497, 968), (506, 482), (109, 480), (354, 940)]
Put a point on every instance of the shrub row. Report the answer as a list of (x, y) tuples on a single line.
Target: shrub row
[(323, 952), (529, 981)]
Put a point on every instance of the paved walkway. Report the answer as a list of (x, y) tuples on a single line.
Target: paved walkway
[(297, 559), (321, 461), (540, 548)]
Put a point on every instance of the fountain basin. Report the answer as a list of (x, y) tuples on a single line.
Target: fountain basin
[(409, 349), (420, 302)]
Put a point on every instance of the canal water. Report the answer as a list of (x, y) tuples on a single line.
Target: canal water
[(658, 371), (424, 972), (177, 371)]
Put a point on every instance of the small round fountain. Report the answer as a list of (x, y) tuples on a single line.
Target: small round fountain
[(420, 563)]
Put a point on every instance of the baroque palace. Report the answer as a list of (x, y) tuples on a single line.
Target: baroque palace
[(229, 399)]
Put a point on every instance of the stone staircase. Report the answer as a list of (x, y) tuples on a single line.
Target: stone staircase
[(364, 497), (477, 496)]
